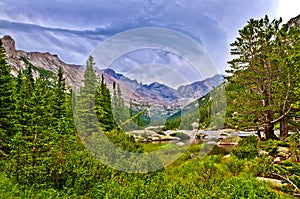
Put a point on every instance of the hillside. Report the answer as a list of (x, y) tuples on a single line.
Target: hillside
[(205, 112)]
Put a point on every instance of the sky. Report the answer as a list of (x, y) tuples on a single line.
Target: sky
[(75, 29)]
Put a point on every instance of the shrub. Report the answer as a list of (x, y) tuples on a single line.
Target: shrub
[(270, 146), (247, 148)]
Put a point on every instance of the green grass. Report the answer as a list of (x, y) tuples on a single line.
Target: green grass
[(149, 147)]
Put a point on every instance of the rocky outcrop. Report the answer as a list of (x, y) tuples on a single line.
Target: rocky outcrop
[(200, 88), (294, 22), (46, 61)]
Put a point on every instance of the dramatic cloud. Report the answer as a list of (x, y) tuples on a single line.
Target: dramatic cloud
[(73, 29)]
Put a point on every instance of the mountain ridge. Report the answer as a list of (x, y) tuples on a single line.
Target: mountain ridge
[(154, 93)]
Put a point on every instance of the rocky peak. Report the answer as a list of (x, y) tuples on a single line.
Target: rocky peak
[(294, 21), (156, 85), (112, 73), (46, 61), (9, 45)]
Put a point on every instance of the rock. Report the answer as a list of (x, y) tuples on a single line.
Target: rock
[(263, 153), (227, 143), (200, 136), (180, 144), (211, 142), (283, 149), (224, 134), (227, 156), (46, 61), (154, 138), (273, 182), (283, 152), (284, 155), (221, 137), (168, 138), (277, 160), (228, 131)]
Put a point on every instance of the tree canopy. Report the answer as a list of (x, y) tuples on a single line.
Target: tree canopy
[(263, 75)]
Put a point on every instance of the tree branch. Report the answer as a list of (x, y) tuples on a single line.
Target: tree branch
[(287, 179), (282, 116)]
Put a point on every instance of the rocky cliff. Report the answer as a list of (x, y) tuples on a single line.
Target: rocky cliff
[(43, 60)]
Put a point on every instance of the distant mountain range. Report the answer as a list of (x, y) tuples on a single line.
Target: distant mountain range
[(155, 93)]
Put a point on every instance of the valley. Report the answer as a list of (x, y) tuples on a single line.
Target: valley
[(71, 131)]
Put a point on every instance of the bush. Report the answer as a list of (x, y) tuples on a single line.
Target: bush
[(245, 187), (270, 146), (247, 148)]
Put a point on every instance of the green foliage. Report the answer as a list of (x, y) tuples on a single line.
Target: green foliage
[(84, 102), (294, 142), (7, 103), (207, 112), (45, 158), (264, 72), (124, 141), (103, 107), (270, 146), (247, 148), (46, 74)]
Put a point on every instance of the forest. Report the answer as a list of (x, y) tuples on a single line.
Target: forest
[(47, 130)]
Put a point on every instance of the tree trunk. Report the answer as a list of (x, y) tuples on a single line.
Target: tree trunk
[(258, 135), (284, 127), (269, 131)]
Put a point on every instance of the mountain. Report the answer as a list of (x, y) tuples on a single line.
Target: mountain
[(200, 88), (146, 95), (294, 22), (207, 112), (45, 61)]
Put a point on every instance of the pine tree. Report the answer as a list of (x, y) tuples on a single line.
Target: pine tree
[(85, 102), (6, 103), (103, 107), (120, 112), (257, 92), (60, 95)]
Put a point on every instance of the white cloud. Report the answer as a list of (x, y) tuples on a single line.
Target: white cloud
[(288, 9)]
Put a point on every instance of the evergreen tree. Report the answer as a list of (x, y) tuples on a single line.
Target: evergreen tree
[(120, 112), (103, 107), (6, 103), (260, 86), (85, 101), (60, 95)]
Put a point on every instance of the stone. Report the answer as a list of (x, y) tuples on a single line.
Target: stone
[(168, 138), (272, 182), (180, 144), (283, 152), (211, 142), (263, 153), (277, 160), (200, 136), (227, 143), (227, 156), (283, 149)]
